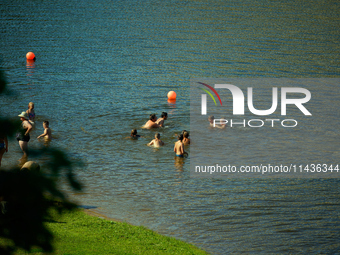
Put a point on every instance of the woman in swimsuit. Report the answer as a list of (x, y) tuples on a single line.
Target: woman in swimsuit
[(31, 113), (3, 146), (24, 136)]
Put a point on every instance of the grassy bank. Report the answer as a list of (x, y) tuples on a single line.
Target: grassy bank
[(79, 233)]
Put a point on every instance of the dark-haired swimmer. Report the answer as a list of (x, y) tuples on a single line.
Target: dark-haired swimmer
[(134, 134), (161, 120), (179, 147), (151, 123)]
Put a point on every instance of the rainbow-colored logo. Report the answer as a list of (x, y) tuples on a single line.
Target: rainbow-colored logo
[(208, 92), (204, 97)]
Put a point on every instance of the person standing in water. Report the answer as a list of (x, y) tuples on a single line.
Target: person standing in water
[(179, 147), (30, 112), (157, 142), (186, 139), (47, 131), (23, 137)]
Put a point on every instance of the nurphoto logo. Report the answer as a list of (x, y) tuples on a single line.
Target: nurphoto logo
[(238, 104)]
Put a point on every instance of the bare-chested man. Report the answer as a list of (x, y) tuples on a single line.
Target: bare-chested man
[(161, 120), (179, 147), (157, 142), (151, 123)]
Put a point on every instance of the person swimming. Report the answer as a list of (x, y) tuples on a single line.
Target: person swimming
[(157, 142), (151, 123), (161, 120), (212, 124), (134, 134)]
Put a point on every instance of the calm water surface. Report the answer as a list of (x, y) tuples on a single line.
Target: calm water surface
[(103, 66)]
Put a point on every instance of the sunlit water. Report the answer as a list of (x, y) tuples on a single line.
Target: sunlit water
[(103, 66)]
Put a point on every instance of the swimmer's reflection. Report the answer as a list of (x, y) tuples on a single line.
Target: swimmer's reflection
[(179, 163), (47, 142)]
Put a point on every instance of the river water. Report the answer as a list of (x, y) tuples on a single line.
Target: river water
[(104, 66)]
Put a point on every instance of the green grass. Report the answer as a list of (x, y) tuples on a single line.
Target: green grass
[(78, 233)]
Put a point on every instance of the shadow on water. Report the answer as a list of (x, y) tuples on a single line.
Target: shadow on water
[(87, 206)]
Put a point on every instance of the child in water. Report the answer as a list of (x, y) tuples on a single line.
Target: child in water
[(134, 134), (161, 120), (157, 142), (47, 131)]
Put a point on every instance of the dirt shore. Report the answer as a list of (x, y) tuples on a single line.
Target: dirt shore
[(96, 213)]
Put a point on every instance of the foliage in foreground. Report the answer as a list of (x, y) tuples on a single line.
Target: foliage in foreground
[(26, 196)]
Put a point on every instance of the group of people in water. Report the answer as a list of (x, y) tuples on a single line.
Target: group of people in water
[(28, 117), (153, 122), (23, 136), (183, 138)]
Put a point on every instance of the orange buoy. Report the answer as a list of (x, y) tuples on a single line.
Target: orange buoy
[(172, 95), (30, 56)]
